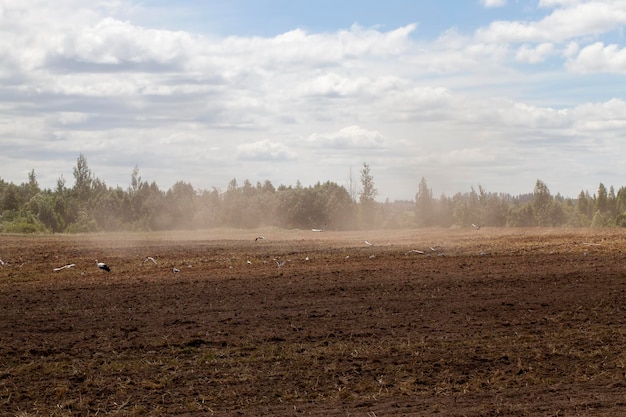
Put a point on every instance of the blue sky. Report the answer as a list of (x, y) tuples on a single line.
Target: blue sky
[(269, 18), (494, 93), (273, 17)]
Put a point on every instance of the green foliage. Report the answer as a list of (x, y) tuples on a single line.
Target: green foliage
[(573, 217), (367, 203), (600, 219), (323, 206), (44, 207), (602, 199), (543, 205), (368, 190), (22, 224), (91, 206), (521, 216), (424, 205), (620, 221)]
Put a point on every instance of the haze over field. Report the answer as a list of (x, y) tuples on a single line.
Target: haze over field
[(493, 92)]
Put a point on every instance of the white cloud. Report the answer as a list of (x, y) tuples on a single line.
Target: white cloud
[(299, 49), (469, 156), (71, 118), (115, 42), (348, 137), (594, 114), (574, 20), (493, 3), (533, 55), (264, 150), (558, 3), (571, 49), (598, 57)]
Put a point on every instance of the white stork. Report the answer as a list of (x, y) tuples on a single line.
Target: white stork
[(103, 266)]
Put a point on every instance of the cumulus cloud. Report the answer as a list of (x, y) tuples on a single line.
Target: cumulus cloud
[(533, 55), (571, 49), (572, 20), (113, 42), (264, 150), (348, 137), (602, 112), (599, 57)]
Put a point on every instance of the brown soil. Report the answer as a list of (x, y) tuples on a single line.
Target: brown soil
[(495, 322)]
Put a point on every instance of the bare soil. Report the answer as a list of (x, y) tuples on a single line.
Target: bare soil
[(494, 322)]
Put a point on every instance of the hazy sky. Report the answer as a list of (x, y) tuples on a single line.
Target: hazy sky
[(494, 93)]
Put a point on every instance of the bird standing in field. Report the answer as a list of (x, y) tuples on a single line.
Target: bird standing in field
[(103, 266)]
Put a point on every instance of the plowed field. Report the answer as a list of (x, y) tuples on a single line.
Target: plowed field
[(494, 322)]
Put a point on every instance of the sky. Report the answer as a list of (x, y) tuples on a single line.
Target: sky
[(490, 93)]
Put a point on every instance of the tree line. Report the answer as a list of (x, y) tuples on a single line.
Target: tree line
[(89, 205)]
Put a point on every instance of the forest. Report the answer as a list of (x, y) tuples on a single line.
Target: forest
[(89, 205)]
